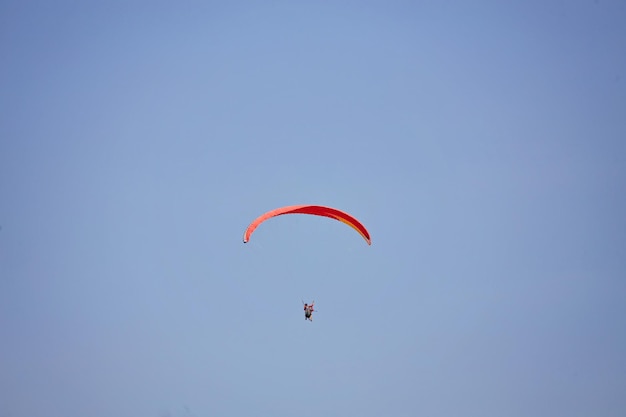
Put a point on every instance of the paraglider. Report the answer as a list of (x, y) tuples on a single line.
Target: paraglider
[(330, 212), (324, 211)]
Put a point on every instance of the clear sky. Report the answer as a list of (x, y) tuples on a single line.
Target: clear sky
[(482, 143)]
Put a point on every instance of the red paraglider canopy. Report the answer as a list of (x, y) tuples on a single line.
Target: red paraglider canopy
[(313, 210)]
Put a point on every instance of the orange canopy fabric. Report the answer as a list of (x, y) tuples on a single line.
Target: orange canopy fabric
[(313, 210)]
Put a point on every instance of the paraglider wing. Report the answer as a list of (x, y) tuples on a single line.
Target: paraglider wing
[(313, 210)]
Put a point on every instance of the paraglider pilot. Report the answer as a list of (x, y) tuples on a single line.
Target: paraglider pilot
[(308, 311)]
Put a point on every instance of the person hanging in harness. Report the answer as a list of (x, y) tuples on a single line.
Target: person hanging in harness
[(308, 311)]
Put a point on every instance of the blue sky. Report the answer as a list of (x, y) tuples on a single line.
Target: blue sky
[(482, 144)]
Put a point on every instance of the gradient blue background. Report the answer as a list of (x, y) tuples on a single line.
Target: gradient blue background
[(482, 143)]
